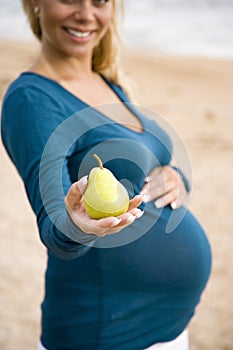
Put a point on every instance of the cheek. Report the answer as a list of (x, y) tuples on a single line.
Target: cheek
[(106, 22), (50, 20), (51, 14), (106, 16)]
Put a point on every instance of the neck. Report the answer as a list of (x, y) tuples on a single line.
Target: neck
[(62, 68)]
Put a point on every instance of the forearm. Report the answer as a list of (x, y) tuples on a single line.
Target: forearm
[(63, 238)]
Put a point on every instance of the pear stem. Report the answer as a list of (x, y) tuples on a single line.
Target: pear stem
[(99, 161)]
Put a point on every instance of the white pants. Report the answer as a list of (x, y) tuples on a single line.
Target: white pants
[(180, 343)]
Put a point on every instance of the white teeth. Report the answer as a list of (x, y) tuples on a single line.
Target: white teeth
[(79, 34)]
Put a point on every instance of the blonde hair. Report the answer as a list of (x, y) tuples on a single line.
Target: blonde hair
[(106, 55)]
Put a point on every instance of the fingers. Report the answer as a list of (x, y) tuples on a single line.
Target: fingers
[(107, 222), (122, 220), (165, 186), (161, 181), (135, 202), (111, 225), (169, 198)]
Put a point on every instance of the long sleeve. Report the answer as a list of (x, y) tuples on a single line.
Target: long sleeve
[(29, 118)]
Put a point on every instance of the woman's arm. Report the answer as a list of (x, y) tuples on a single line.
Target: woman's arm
[(29, 118)]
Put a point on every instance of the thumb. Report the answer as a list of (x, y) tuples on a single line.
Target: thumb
[(75, 193), (82, 184)]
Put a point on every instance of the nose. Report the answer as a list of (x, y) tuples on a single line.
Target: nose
[(84, 11)]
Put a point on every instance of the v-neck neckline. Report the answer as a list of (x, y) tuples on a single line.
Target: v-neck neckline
[(126, 102)]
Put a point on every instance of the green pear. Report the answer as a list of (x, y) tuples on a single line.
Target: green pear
[(104, 196)]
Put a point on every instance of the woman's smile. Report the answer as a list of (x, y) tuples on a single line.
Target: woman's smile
[(83, 35), (78, 33)]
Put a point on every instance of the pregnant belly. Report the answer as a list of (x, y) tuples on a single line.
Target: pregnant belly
[(144, 292), (177, 262)]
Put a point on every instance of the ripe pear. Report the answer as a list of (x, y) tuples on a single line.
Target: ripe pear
[(104, 196)]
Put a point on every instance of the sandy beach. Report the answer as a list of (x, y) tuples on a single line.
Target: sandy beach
[(195, 95)]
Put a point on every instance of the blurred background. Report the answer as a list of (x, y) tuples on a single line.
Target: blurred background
[(199, 27), (179, 53)]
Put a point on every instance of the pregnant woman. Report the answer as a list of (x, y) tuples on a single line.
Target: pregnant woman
[(119, 283)]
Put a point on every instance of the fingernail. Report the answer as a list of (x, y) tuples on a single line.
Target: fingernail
[(147, 179), (144, 195), (159, 203), (83, 180), (130, 218), (173, 205), (138, 215), (115, 222)]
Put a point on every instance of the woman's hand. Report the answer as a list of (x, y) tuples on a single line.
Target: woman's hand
[(165, 186), (101, 227)]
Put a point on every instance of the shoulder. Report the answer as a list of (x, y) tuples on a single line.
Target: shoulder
[(30, 108), (33, 100), (29, 88)]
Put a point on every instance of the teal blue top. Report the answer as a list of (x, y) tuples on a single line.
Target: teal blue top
[(121, 292)]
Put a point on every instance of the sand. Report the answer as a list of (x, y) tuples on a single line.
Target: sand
[(195, 95)]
